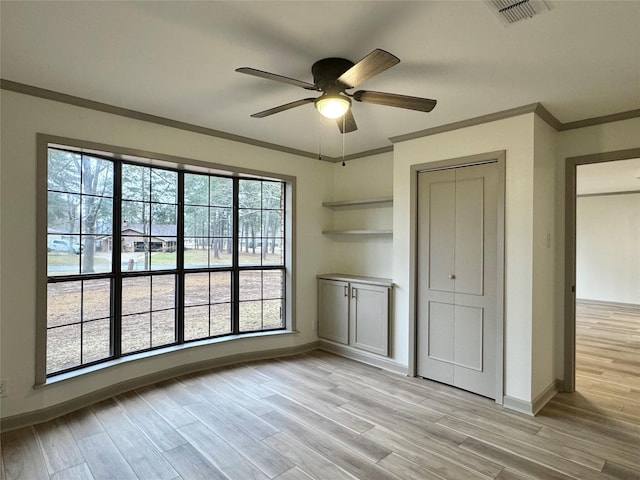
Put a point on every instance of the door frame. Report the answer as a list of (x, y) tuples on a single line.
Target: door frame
[(570, 170), (499, 158)]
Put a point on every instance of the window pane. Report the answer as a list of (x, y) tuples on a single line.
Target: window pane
[(196, 221), (272, 251), (220, 319), (220, 287), (136, 332), (272, 195), (163, 254), (63, 213), (164, 186), (96, 255), (163, 292), (196, 189), (63, 303), (96, 340), (250, 316), (272, 314), (249, 251), (196, 252), (163, 330), (63, 348), (136, 182), (97, 215), (220, 254), (272, 225), (135, 218), (272, 284), (97, 176), (96, 299), (196, 289), (196, 323), (220, 222), (62, 258), (63, 171), (249, 193), (221, 192), (136, 295), (250, 285)]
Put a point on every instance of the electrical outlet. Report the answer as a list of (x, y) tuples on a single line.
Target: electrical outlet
[(3, 389)]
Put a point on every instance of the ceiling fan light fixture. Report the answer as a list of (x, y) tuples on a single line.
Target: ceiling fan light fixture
[(333, 106)]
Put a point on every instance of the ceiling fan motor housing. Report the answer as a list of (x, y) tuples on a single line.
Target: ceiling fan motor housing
[(326, 72)]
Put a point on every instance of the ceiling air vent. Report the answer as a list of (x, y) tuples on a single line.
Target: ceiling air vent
[(511, 11)]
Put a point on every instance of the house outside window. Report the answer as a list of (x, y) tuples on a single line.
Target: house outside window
[(141, 257)]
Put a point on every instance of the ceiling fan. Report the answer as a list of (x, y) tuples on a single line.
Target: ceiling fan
[(332, 77)]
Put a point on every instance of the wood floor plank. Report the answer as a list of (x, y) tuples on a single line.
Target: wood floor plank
[(23, 459), (354, 463), (320, 416), (145, 460), (441, 459), (325, 425), (408, 470), (156, 428), (306, 458), (512, 461), (83, 423), (261, 455), (191, 464), (103, 458), (78, 472), (220, 453), (294, 474), (58, 445), (523, 449)]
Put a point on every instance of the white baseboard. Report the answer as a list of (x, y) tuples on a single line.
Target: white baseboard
[(55, 411), (362, 356), (532, 408)]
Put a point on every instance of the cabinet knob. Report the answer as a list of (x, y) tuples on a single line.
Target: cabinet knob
[(452, 277)]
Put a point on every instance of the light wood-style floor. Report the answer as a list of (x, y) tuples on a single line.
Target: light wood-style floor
[(321, 416)]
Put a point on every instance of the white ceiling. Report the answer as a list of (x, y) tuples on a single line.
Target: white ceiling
[(580, 59)]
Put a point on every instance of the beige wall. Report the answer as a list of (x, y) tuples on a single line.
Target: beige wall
[(544, 264), (609, 137), (364, 178), (608, 248), (22, 118), (516, 137)]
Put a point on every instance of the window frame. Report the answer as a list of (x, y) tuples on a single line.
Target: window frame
[(122, 155)]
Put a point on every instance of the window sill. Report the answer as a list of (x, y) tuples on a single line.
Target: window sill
[(159, 352)]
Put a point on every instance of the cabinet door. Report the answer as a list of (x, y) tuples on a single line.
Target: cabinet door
[(369, 320), (333, 310)]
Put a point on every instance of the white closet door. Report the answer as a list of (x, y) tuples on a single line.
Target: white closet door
[(457, 277)]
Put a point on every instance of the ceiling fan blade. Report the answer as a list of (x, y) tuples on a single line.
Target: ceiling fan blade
[(277, 78), (347, 123), (282, 108), (376, 62), (394, 100)]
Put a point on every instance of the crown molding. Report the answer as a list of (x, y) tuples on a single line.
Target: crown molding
[(536, 108), (146, 117)]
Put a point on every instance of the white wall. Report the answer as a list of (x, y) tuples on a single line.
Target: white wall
[(608, 248), (516, 136), (23, 117)]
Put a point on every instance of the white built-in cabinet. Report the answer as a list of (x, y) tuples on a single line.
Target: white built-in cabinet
[(354, 311)]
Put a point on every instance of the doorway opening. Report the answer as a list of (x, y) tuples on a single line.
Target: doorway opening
[(602, 292)]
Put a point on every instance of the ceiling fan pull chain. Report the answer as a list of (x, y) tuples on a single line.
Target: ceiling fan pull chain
[(320, 138), (343, 136)]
